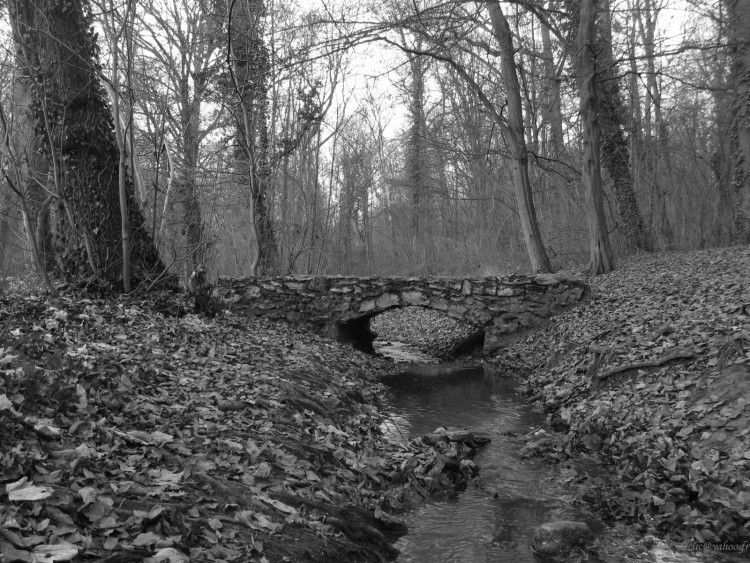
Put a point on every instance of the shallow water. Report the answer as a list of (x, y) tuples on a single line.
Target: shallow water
[(479, 524), (493, 522), (402, 353)]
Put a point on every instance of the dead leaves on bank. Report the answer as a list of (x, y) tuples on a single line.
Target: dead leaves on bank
[(654, 373), (130, 436)]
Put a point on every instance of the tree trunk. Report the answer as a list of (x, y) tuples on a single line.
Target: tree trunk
[(722, 225), (600, 255), (56, 53), (114, 36), (30, 168), (551, 100), (653, 141), (529, 225), (739, 12), (250, 67), (122, 175), (9, 217), (640, 128), (187, 189), (416, 165), (614, 145)]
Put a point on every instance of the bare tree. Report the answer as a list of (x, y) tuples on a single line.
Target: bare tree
[(600, 254), (614, 144), (248, 64), (511, 127), (117, 26), (514, 132), (182, 39), (649, 131), (417, 175)]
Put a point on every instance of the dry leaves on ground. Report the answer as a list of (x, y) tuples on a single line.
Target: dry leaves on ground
[(653, 373), (131, 435)]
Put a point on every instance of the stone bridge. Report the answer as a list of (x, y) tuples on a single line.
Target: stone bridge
[(342, 306)]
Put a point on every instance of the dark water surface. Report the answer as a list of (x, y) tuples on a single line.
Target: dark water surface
[(493, 522)]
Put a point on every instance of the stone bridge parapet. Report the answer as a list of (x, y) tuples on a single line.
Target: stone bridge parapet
[(342, 306)]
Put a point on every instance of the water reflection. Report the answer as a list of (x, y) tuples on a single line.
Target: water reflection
[(453, 395), (487, 524), (493, 522)]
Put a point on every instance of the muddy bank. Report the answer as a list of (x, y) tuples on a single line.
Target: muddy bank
[(652, 376)]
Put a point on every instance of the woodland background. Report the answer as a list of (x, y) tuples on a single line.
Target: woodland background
[(386, 137)]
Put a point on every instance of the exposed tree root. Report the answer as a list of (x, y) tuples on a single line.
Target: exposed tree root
[(674, 356)]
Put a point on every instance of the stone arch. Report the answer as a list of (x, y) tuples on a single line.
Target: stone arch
[(355, 329), (357, 332), (342, 306)]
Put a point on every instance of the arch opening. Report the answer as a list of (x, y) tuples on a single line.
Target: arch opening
[(356, 333), (430, 331)]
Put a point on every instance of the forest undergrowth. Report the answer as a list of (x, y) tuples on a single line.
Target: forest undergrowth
[(132, 431), (652, 376)]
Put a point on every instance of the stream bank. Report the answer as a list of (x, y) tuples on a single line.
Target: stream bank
[(517, 493), (494, 518), (135, 431), (650, 380), (651, 377)]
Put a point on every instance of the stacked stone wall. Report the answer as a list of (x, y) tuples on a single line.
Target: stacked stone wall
[(342, 306)]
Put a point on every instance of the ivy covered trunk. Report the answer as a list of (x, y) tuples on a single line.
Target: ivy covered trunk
[(739, 11), (614, 144), (611, 119), (417, 166), (57, 56), (250, 66)]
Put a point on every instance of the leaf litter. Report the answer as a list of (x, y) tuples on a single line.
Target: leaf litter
[(652, 376), (132, 431)]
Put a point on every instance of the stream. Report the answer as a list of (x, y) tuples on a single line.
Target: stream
[(494, 522)]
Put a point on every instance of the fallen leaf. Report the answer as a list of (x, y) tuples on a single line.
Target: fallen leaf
[(146, 538), (55, 552), (21, 490), (10, 553), (168, 555)]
